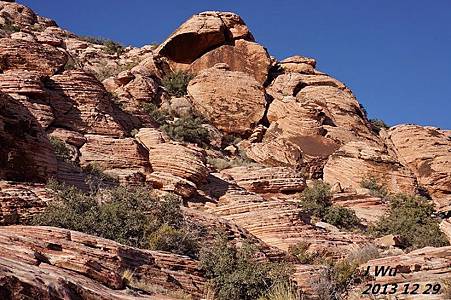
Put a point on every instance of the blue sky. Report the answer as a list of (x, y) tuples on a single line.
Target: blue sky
[(394, 55)]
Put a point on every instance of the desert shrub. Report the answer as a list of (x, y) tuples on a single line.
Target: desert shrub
[(283, 291), (229, 162), (236, 273), (300, 251), (176, 83), (317, 201), (158, 115), (111, 47), (9, 27), (364, 254), (127, 215), (188, 129), (377, 125), (106, 70), (377, 190), (170, 239), (341, 217), (411, 217), (60, 149), (96, 178)]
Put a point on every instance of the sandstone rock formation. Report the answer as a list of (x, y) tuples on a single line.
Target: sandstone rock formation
[(232, 101), (78, 265), (426, 151)]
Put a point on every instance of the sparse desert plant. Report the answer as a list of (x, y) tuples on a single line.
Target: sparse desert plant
[(9, 27), (377, 125), (62, 152), (111, 47), (341, 217), (283, 291), (170, 239), (229, 162), (317, 201), (176, 83), (124, 214), (188, 129), (411, 217), (237, 274), (364, 254), (300, 251), (377, 190), (158, 115)]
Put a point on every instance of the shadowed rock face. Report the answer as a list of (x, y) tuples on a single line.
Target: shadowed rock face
[(25, 152), (201, 33)]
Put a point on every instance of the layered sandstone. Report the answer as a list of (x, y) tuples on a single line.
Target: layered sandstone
[(232, 101), (426, 151)]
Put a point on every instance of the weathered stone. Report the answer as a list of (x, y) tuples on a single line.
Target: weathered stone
[(267, 180), (25, 152), (114, 153), (20, 202), (426, 151), (178, 160), (171, 183), (369, 209), (17, 13), (356, 161), (232, 101), (298, 64), (202, 33), (30, 56), (21, 82), (82, 104), (243, 56), (85, 266)]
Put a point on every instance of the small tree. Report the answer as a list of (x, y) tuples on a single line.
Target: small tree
[(188, 129)]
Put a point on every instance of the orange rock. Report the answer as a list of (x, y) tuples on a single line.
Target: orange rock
[(243, 56), (232, 101), (30, 56)]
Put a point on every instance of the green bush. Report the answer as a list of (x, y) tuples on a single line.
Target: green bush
[(236, 273), (317, 201), (229, 162), (283, 291), (9, 27), (188, 129), (341, 217), (131, 216), (60, 149), (176, 83), (376, 189), (300, 251), (170, 239), (411, 217), (158, 115), (377, 125)]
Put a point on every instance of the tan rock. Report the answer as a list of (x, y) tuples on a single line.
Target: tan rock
[(82, 104), (150, 137), (202, 33), (356, 161), (267, 180), (369, 209), (21, 82), (232, 101), (171, 183), (426, 151), (30, 56), (25, 154), (114, 153), (89, 266), (68, 136), (243, 56), (17, 13), (389, 241), (178, 160), (445, 227), (298, 64)]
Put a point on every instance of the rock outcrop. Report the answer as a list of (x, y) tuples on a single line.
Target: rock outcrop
[(81, 266), (426, 151), (232, 101)]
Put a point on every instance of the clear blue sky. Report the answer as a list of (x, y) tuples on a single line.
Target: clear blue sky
[(394, 55)]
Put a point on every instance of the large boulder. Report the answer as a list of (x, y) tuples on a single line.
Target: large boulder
[(25, 153), (232, 101), (81, 104), (357, 161), (427, 152), (202, 33), (242, 56), (31, 56)]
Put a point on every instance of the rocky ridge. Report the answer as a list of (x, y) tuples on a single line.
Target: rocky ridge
[(293, 121)]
